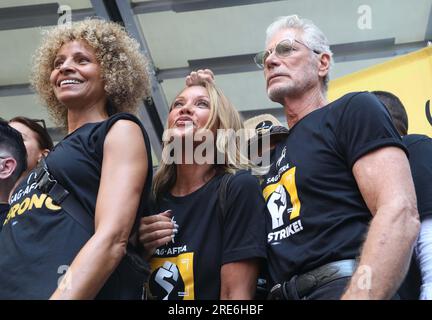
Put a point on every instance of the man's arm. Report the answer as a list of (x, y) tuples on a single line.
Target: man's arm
[(384, 179)]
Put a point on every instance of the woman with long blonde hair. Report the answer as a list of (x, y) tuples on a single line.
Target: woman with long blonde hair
[(209, 239)]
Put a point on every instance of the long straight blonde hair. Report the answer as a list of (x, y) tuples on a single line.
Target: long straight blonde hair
[(223, 115)]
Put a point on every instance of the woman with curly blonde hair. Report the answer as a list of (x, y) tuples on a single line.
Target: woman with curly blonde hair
[(208, 240), (89, 75)]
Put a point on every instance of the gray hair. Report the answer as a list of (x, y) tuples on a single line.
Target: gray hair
[(313, 37)]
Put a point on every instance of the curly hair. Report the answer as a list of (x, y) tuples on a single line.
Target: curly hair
[(123, 66)]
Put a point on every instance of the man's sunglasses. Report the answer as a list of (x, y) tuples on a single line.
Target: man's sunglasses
[(282, 50)]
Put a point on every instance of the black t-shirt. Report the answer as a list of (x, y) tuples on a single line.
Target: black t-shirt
[(420, 159), (39, 240), (317, 214), (4, 208), (189, 266)]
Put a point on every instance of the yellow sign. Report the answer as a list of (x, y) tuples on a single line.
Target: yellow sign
[(408, 76)]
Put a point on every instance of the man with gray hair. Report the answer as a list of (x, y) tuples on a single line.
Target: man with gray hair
[(342, 206)]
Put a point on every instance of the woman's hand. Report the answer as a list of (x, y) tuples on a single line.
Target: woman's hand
[(198, 77), (156, 231)]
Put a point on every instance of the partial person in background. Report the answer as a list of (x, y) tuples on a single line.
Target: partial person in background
[(13, 162), (420, 159), (209, 240), (36, 139), (73, 220)]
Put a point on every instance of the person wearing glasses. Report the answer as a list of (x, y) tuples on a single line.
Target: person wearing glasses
[(343, 216), (12, 164), (209, 240), (89, 74), (36, 139)]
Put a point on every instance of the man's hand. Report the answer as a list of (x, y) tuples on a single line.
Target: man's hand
[(198, 77)]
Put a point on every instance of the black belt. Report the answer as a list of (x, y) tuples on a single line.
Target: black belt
[(305, 283)]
